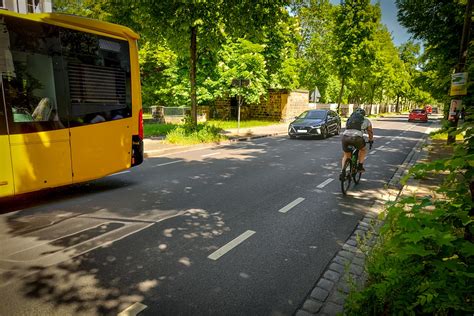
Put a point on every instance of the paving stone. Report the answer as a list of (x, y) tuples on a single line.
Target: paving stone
[(352, 242), (337, 297), (332, 309), (319, 294), (360, 255), (312, 306), (364, 228), (325, 284), (359, 233), (364, 224), (341, 260), (358, 261), (343, 286), (349, 248), (371, 215), (332, 275), (367, 220), (346, 254), (301, 312), (337, 267), (355, 269)]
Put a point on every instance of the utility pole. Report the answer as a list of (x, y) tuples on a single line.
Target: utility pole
[(460, 67), (239, 83)]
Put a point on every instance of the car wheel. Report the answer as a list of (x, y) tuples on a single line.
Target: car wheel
[(324, 132), (292, 136)]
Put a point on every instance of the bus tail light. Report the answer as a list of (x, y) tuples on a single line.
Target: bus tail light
[(140, 123)]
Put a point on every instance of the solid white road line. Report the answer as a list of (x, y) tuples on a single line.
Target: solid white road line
[(230, 245), (178, 152), (322, 185), (291, 205), (132, 310), (122, 172), (168, 163), (212, 154)]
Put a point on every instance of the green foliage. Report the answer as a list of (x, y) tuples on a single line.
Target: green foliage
[(189, 134), (439, 24), (242, 59), (161, 76), (157, 129), (424, 262)]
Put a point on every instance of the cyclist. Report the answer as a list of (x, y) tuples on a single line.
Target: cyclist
[(356, 126)]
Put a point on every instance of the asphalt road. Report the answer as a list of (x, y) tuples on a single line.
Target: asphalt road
[(241, 229)]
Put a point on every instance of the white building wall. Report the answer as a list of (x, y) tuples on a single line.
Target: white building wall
[(20, 6)]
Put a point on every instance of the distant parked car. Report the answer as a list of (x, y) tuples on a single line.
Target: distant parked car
[(429, 109), (315, 123), (418, 115)]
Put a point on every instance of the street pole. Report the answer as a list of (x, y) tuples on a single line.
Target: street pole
[(238, 112), (453, 123)]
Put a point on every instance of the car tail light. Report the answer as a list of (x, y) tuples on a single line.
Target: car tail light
[(140, 123)]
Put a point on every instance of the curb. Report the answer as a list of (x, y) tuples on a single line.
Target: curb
[(346, 270)]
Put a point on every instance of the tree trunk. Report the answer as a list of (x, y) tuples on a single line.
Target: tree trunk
[(341, 92), (397, 107), (192, 74)]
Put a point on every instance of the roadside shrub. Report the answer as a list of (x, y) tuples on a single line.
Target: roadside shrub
[(423, 263), (187, 134)]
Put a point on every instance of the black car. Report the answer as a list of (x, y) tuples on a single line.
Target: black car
[(315, 123)]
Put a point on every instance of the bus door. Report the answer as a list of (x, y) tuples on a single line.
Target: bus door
[(99, 83), (6, 174), (36, 116)]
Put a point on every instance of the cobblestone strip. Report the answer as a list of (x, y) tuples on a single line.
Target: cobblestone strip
[(346, 272)]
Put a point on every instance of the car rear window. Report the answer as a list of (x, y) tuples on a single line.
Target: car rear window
[(418, 111)]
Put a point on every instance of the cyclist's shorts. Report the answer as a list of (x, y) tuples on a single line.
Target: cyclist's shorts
[(356, 141)]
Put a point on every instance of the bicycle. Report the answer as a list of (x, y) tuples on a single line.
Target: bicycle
[(350, 171)]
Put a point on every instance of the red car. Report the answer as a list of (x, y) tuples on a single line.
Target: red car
[(418, 115)]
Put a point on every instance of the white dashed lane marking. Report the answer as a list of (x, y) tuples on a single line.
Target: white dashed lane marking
[(291, 205), (133, 310), (325, 183), (230, 245), (168, 163), (212, 154)]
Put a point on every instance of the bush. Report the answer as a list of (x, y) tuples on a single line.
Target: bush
[(423, 263), (188, 134)]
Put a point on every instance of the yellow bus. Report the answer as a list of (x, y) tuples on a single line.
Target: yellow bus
[(70, 101)]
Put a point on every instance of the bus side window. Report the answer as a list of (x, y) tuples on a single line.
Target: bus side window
[(29, 82), (98, 72)]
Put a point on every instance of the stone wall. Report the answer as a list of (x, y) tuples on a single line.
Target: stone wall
[(297, 101), (278, 105)]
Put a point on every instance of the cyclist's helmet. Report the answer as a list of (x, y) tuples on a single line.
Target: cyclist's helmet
[(361, 111)]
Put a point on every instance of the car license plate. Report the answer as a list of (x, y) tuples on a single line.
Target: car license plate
[(301, 131)]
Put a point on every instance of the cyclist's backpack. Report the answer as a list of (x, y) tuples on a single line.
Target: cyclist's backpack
[(355, 121)]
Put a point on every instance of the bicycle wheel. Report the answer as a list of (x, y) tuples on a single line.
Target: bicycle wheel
[(346, 177), (357, 176)]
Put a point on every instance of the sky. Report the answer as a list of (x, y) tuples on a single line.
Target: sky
[(389, 18)]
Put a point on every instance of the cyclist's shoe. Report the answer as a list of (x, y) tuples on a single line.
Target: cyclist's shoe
[(360, 167), (342, 176)]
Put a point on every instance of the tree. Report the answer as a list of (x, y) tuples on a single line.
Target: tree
[(356, 24), (242, 59), (207, 23), (316, 46)]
